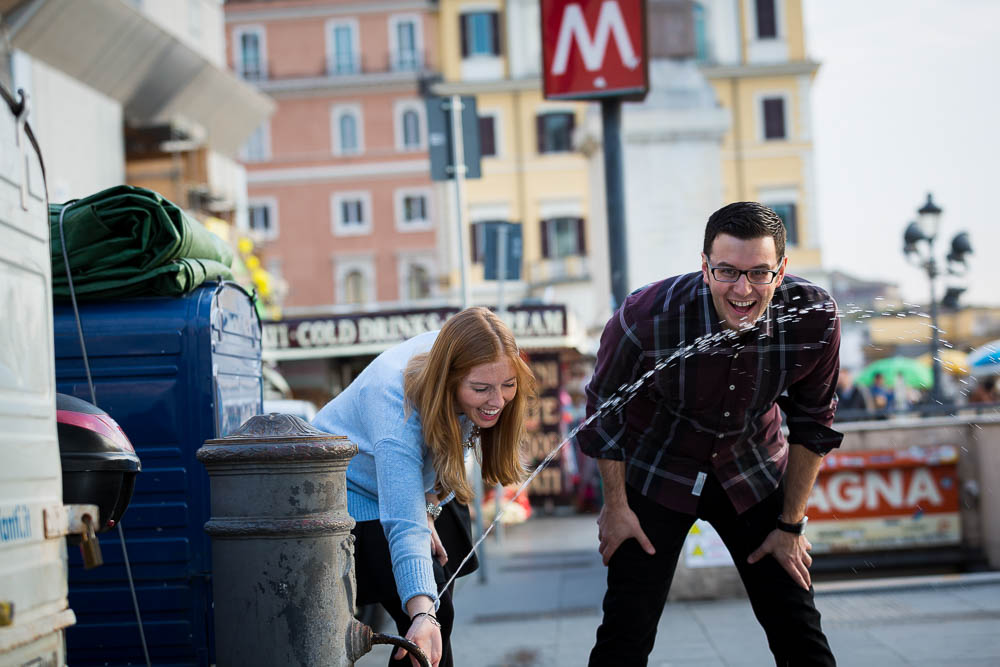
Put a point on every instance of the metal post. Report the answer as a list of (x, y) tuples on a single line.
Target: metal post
[(936, 395), (501, 308), (458, 173), (615, 193)]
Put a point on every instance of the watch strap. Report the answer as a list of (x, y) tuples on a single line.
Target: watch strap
[(794, 528)]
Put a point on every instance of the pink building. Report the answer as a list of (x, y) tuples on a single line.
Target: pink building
[(340, 197)]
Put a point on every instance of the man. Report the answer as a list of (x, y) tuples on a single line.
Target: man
[(702, 438), (855, 400)]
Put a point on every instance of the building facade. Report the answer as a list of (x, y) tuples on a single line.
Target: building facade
[(754, 54), (340, 201), (533, 173)]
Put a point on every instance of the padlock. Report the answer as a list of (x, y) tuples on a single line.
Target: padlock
[(90, 548), (6, 613)]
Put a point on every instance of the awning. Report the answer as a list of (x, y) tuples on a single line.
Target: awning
[(114, 48), (536, 327)]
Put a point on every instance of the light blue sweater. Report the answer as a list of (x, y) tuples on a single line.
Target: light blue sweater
[(393, 469)]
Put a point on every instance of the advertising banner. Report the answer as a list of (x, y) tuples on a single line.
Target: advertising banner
[(890, 499)]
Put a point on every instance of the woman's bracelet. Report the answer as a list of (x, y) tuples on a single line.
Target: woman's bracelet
[(432, 617)]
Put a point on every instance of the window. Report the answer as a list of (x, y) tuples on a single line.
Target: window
[(412, 212), (405, 42), (700, 33), (408, 118), (354, 278), (555, 132), (347, 130), (354, 288), (351, 212), (767, 20), (774, 118), (411, 129), (487, 136), (258, 146), (348, 126), (786, 211), (562, 237), (262, 219), (418, 282), (342, 48), (414, 208), (249, 55), (480, 34)]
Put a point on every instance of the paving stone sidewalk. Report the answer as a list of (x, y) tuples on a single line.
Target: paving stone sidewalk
[(540, 607)]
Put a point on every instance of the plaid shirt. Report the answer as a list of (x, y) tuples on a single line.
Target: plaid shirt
[(715, 411)]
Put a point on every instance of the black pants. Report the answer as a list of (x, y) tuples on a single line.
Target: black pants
[(638, 583), (376, 584)]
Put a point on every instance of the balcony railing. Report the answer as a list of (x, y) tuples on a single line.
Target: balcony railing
[(252, 71), (398, 62)]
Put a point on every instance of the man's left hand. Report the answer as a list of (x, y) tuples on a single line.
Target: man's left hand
[(792, 553)]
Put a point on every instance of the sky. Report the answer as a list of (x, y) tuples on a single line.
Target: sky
[(906, 102)]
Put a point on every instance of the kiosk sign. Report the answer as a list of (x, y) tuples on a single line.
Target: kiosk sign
[(594, 49)]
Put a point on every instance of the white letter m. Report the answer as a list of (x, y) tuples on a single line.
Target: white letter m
[(608, 21)]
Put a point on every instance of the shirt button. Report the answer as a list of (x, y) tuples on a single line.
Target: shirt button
[(725, 414), (732, 387), (714, 454), (720, 436)]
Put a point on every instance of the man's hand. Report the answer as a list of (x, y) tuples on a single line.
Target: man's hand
[(792, 553), (437, 548), (615, 524), (427, 636)]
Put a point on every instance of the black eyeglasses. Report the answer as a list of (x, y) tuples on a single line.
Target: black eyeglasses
[(726, 274)]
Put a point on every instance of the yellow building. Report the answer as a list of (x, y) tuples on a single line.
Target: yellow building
[(754, 54), (531, 173)]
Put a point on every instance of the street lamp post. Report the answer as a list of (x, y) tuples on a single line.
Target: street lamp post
[(926, 229)]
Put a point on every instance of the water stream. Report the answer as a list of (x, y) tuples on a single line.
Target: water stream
[(617, 401)]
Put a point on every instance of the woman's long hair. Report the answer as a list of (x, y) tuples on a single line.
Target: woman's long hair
[(472, 337)]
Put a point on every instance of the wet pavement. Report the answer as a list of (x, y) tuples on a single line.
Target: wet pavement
[(540, 607)]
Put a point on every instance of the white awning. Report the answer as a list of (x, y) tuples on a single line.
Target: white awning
[(114, 48)]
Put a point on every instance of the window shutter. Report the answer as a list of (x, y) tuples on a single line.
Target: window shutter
[(774, 118), (767, 24), (581, 239), (487, 136), (463, 26), (791, 226), (495, 29), (545, 238), (540, 132), (476, 241)]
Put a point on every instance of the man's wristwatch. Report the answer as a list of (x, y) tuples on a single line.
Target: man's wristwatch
[(433, 510), (793, 528)]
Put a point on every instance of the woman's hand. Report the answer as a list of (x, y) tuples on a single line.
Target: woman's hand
[(437, 548), (424, 631)]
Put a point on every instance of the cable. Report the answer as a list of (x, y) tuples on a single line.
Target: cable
[(93, 399)]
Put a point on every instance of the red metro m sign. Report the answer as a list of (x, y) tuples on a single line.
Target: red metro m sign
[(594, 48)]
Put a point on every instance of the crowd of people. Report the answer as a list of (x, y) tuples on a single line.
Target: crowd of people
[(882, 398)]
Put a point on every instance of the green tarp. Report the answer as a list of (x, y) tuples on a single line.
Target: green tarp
[(128, 241)]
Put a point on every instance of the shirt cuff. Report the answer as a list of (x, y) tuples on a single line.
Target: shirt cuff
[(598, 443)]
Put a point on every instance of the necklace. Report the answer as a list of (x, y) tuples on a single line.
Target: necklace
[(473, 436)]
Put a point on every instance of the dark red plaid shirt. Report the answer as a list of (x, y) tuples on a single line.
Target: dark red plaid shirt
[(714, 411)]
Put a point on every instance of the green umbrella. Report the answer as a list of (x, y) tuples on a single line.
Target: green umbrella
[(915, 374)]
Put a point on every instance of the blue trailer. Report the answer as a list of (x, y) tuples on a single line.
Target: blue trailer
[(173, 372)]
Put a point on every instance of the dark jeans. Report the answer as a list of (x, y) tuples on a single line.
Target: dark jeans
[(638, 583), (376, 584)]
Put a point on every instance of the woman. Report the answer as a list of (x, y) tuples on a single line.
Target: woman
[(414, 412)]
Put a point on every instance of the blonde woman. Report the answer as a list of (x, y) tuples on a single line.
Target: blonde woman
[(415, 412)]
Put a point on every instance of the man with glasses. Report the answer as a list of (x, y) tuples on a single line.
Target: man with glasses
[(702, 437)]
